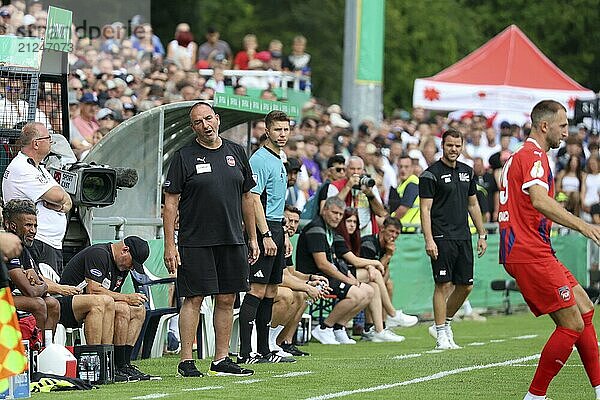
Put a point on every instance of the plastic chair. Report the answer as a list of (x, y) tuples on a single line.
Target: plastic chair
[(154, 316), (205, 334)]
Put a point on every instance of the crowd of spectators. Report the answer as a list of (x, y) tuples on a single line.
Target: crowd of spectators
[(128, 69)]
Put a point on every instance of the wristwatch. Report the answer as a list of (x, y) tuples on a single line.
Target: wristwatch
[(267, 234), (484, 237)]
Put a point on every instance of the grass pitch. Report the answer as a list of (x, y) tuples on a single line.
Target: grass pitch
[(497, 362)]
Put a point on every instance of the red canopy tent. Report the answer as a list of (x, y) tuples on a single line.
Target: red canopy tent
[(508, 73)]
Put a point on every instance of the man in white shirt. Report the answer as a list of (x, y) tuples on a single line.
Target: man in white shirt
[(25, 178)]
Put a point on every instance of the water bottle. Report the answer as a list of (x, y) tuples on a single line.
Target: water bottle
[(56, 359), (300, 333)]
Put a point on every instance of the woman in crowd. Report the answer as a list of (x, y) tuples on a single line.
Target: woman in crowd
[(591, 186), (182, 50), (570, 182), (347, 245)]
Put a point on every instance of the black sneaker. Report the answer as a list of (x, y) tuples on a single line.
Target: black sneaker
[(124, 372), (133, 370), (251, 359), (273, 357), (187, 369), (121, 377), (228, 368), (293, 350)]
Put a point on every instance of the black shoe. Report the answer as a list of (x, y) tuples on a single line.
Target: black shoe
[(121, 377), (124, 372), (273, 357), (293, 350), (187, 369), (251, 359), (133, 370), (228, 368)]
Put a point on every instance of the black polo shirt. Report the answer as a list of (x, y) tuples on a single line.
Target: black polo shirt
[(24, 261), (316, 237), (371, 248), (96, 263), (450, 189), (211, 183)]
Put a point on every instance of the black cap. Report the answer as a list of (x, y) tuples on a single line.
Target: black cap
[(139, 250)]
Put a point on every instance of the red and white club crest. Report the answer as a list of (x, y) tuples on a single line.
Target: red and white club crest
[(230, 161), (565, 293)]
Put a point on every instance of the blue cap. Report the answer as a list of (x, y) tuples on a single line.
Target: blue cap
[(89, 98)]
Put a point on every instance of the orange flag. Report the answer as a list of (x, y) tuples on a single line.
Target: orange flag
[(12, 352)]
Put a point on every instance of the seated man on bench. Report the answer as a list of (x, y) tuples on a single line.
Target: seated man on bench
[(97, 311), (315, 255)]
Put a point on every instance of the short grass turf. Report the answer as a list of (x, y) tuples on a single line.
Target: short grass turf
[(375, 370)]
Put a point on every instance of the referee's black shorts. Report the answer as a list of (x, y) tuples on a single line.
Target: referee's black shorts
[(454, 262), (269, 270), (206, 271)]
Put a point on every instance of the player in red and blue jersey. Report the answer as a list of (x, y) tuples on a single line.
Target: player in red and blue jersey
[(527, 209)]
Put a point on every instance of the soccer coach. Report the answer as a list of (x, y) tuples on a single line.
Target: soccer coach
[(209, 183)]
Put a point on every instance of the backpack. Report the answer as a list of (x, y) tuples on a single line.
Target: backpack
[(30, 331)]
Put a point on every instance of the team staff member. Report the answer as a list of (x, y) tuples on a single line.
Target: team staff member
[(26, 178), (98, 311), (209, 184), (266, 274), (105, 267), (448, 191), (527, 209)]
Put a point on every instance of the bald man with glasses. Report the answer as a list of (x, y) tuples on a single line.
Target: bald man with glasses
[(26, 178)]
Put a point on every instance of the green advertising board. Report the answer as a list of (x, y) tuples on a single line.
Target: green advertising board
[(370, 41), (20, 51), (253, 105), (58, 30)]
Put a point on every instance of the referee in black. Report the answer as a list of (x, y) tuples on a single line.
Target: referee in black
[(267, 273), (209, 183), (448, 191)]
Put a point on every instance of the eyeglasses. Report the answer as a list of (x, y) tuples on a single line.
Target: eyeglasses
[(340, 169), (44, 138)]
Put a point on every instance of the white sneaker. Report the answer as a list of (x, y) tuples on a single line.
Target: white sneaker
[(401, 319), (282, 353), (367, 335), (432, 331), (386, 336), (341, 336), (450, 336), (442, 342), (325, 336)]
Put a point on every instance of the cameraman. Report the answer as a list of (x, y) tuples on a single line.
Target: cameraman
[(359, 191)]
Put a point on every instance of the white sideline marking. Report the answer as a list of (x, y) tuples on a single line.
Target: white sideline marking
[(248, 381), (525, 337), (497, 340), (293, 374), (151, 396), (202, 388), (433, 351), (476, 344), (405, 356), (438, 375)]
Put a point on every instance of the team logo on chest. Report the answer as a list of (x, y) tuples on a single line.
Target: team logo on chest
[(463, 176), (230, 161)]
